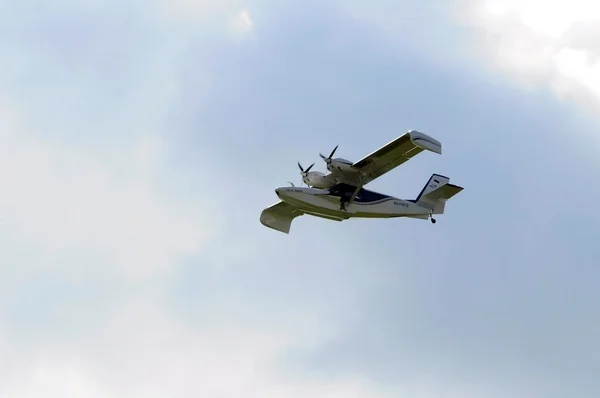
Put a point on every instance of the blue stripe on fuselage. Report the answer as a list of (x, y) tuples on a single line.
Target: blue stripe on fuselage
[(363, 196)]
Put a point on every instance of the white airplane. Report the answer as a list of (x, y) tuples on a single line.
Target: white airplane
[(340, 195)]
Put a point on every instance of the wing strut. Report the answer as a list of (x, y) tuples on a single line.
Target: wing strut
[(360, 184)]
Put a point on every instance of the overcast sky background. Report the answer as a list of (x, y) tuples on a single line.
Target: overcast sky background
[(139, 142)]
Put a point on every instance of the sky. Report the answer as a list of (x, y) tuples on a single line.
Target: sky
[(141, 140)]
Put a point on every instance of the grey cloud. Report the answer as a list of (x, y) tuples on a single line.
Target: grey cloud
[(500, 293), (66, 59)]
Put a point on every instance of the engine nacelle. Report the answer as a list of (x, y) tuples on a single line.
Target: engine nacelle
[(340, 165), (316, 179)]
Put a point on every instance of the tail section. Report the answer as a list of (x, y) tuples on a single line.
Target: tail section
[(436, 192)]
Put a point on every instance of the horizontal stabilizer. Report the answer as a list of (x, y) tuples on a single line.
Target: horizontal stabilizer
[(446, 191)]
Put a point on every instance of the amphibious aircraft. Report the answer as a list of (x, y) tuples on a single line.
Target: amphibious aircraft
[(339, 195)]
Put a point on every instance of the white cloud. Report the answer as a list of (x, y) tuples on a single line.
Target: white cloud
[(86, 210), (241, 23), (550, 43), (551, 19), (580, 66), (106, 207), (82, 208), (142, 350)]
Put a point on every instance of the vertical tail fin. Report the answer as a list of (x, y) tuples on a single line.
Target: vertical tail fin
[(434, 182), (436, 192)]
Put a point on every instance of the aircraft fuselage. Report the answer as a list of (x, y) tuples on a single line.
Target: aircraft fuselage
[(367, 204)]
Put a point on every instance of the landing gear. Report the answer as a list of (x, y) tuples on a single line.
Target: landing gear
[(344, 200), (342, 204), (431, 218)]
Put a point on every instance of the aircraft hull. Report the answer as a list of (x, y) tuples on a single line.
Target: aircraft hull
[(317, 202)]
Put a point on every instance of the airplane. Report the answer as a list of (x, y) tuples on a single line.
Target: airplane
[(340, 194)]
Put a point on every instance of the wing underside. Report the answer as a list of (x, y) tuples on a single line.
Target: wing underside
[(394, 154), (279, 216)]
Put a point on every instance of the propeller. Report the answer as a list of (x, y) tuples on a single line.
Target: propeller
[(328, 158), (303, 172)]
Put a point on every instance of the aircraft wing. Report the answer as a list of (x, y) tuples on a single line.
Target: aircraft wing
[(279, 216), (394, 154)]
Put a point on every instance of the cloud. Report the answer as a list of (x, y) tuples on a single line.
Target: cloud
[(101, 220), (553, 44), (87, 161), (142, 347), (166, 284), (241, 23), (476, 305), (62, 200)]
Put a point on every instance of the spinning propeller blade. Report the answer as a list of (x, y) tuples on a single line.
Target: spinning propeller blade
[(305, 172), (328, 158)]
